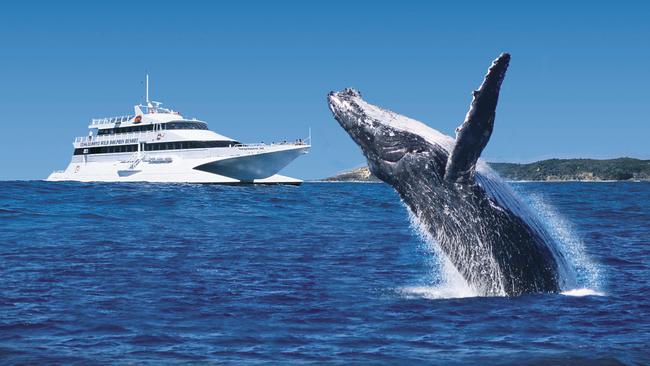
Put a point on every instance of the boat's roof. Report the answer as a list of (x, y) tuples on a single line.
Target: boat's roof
[(144, 115)]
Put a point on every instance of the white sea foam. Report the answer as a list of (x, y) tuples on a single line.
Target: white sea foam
[(580, 292), (444, 291)]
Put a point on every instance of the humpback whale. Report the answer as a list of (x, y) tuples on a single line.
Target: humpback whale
[(477, 222)]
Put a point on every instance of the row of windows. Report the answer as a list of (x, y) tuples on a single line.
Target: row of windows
[(188, 145), (165, 126), (112, 131), (184, 126), (106, 149), (178, 145)]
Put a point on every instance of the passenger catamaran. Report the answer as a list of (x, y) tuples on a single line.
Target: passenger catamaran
[(159, 145)]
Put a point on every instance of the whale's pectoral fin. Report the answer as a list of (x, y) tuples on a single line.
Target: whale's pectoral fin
[(474, 133)]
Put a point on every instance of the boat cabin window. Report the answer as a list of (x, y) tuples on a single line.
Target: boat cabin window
[(106, 149), (182, 145), (178, 125), (184, 125), (130, 129)]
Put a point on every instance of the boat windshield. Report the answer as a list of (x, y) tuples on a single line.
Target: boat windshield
[(185, 125)]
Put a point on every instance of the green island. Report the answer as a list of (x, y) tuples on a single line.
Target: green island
[(551, 170)]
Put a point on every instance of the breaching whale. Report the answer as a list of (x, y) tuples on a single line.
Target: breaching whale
[(477, 222)]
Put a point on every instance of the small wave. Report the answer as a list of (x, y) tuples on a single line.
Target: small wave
[(436, 292), (580, 292)]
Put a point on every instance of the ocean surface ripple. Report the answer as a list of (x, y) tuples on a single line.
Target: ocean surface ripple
[(322, 273)]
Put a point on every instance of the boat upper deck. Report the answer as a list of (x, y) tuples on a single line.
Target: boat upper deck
[(109, 121)]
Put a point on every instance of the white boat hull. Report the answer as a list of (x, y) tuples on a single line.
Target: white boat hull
[(253, 164)]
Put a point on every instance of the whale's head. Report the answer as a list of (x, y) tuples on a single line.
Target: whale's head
[(394, 145), (397, 146)]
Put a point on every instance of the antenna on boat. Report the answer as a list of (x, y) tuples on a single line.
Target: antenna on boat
[(146, 89)]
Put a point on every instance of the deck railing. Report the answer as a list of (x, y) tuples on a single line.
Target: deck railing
[(119, 136), (103, 121)]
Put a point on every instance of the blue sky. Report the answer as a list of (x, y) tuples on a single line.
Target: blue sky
[(578, 85)]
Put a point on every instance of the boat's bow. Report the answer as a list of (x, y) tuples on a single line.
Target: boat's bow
[(257, 161)]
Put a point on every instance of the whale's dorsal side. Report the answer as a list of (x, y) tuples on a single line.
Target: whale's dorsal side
[(474, 133)]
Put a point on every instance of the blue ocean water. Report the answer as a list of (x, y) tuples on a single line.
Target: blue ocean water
[(321, 273)]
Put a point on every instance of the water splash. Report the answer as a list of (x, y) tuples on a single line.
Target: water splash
[(443, 291), (447, 282), (586, 273), (580, 292), (578, 274), (507, 197), (577, 270)]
